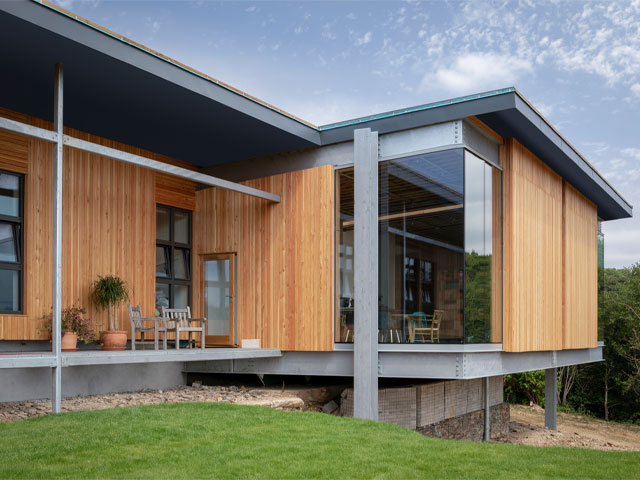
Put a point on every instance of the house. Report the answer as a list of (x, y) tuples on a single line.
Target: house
[(452, 242)]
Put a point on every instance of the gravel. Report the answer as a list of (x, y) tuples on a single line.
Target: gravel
[(12, 411)]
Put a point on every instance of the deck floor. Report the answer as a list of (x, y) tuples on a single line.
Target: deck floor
[(100, 357)]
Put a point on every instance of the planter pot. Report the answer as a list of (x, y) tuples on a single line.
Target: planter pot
[(69, 342), (114, 340)]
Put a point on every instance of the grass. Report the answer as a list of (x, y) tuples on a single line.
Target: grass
[(197, 440)]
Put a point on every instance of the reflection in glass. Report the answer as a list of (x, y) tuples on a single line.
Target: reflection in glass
[(8, 242), (162, 262), (162, 297), (181, 263), (180, 296), (482, 310), (421, 249), (181, 226), (163, 223), (9, 290), (9, 195), (440, 225), (216, 296)]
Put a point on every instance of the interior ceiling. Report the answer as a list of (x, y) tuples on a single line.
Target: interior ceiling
[(135, 107)]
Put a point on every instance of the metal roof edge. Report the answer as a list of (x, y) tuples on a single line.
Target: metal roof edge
[(570, 145), (417, 108)]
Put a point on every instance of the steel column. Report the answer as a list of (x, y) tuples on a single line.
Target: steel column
[(365, 350), (551, 398), (58, 122), (487, 410)]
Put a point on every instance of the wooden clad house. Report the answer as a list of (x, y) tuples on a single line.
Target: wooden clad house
[(454, 240)]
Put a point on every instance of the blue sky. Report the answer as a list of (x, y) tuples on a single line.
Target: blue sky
[(577, 62)]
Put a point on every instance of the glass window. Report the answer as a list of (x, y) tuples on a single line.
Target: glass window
[(173, 258), (9, 234), (10, 198), (181, 226), (420, 245), (439, 226), (9, 290), (483, 317), (11, 262), (163, 223)]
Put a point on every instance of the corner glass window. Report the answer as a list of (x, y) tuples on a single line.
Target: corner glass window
[(440, 231), (173, 258)]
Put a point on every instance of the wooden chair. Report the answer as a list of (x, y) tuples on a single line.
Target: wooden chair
[(138, 325), (434, 329), (179, 320)]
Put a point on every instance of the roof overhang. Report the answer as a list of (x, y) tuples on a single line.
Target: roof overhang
[(510, 115), (123, 92), (117, 89)]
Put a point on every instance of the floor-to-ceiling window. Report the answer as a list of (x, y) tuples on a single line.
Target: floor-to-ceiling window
[(425, 252)]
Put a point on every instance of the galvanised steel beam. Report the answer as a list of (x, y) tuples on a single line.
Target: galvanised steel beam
[(365, 349), (411, 364), (551, 398), (28, 130), (167, 168), (27, 361), (56, 271), (98, 357), (51, 136)]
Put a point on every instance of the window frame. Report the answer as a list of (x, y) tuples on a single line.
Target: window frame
[(19, 244), (172, 245)]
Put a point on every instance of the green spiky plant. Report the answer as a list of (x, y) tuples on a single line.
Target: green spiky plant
[(107, 293)]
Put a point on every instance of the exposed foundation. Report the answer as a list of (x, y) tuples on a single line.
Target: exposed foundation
[(445, 409)]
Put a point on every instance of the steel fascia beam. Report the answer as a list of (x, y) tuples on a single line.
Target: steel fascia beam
[(51, 136), (167, 168), (27, 361), (28, 130)]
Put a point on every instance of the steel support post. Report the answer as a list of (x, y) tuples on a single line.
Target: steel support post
[(56, 393), (551, 398), (365, 350), (487, 410)]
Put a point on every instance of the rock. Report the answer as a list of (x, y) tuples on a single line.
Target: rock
[(330, 407), (196, 384)]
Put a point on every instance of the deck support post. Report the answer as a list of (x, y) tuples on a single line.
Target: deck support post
[(365, 349), (551, 398), (487, 409), (56, 314)]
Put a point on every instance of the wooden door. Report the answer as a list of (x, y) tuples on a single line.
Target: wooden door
[(218, 294)]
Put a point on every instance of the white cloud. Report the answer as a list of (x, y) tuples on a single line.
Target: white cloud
[(473, 72), (366, 38), (635, 89), (251, 9), (351, 16)]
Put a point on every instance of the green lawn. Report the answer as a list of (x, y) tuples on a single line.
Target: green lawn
[(228, 441)]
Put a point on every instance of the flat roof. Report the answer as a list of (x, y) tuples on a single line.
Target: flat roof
[(124, 91)]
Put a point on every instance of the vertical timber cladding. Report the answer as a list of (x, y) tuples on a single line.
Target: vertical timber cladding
[(532, 252), (550, 258), (108, 227), (580, 271), (285, 256)]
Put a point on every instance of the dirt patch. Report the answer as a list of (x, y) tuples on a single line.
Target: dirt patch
[(274, 398), (527, 428)]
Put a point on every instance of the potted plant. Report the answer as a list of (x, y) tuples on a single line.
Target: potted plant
[(107, 293), (74, 326)]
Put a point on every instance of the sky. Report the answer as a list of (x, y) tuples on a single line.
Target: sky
[(578, 63)]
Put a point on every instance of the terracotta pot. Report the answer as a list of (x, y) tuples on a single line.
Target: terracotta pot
[(69, 342), (114, 340)]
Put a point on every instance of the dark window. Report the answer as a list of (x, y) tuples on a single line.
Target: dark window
[(173, 258), (11, 260)]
